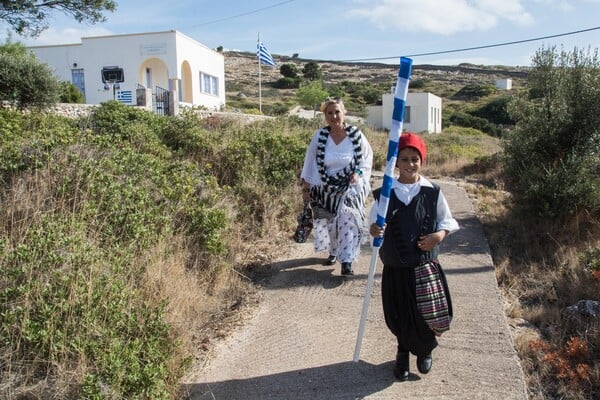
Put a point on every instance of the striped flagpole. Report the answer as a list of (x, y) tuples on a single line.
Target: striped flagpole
[(259, 83), (400, 94)]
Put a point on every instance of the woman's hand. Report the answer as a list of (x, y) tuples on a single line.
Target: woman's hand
[(376, 231), (305, 194)]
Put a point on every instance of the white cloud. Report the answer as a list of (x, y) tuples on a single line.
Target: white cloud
[(440, 17), (64, 36)]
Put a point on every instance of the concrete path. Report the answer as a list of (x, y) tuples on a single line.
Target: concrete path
[(301, 340)]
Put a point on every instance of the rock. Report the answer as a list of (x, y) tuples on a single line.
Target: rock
[(584, 308)]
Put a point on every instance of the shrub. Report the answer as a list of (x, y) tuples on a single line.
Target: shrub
[(470, 121), (25, 81), (474, 91), (289, 71), (287, 83), (553, 155), (312, 71), (495, 111), (70, 93)]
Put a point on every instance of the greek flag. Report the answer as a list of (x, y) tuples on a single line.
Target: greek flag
[(394, 138), (264, 56)]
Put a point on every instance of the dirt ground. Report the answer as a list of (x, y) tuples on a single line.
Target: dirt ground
[(300, 341)]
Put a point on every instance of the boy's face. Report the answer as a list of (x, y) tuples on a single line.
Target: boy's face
[(409, 165)]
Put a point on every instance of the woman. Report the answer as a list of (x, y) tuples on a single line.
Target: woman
[(335, 179), (418, 219)]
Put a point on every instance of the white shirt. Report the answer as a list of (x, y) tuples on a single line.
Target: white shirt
[(337, 157), (406, 192)]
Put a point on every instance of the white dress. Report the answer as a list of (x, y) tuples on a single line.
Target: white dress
[(342, 235)]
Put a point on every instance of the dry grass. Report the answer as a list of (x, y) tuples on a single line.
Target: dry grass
[(540, 274)]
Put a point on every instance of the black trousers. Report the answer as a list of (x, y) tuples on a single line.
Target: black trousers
[(401, 314)]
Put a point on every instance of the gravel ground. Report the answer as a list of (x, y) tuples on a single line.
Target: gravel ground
[(300, 342)]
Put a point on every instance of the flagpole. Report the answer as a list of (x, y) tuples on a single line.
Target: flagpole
[(400, 95), (259, 77)]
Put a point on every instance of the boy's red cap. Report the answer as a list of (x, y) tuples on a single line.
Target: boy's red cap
[(413, 140)]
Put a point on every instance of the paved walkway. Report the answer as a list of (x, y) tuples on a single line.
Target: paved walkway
[(301, 340)]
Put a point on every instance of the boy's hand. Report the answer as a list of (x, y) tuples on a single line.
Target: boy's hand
[(376, 231), (428, 242)]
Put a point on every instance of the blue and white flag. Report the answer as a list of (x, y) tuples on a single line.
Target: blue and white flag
[(386, 188), (264, 56), (400, 94)]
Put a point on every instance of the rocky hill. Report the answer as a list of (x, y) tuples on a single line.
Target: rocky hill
[(242, 75)]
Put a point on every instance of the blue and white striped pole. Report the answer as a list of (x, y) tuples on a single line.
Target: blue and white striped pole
[(400, 94)]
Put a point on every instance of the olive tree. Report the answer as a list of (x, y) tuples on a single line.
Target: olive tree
[(24, 80), (311, 95), (553, 155)]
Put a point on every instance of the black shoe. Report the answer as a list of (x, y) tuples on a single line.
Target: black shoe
[(424, 363), (330, 260), (402, 367), (347, 268)]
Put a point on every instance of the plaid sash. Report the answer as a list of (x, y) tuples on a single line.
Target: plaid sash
[(432, 299)]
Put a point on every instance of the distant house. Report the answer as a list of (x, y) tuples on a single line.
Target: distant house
[(503, 84), (140, 69), (422, 113)]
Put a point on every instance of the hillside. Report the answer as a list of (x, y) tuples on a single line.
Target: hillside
[(241, 76)]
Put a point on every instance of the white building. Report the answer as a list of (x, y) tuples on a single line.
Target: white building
[(503, 84), (422, 113), (125, 67)]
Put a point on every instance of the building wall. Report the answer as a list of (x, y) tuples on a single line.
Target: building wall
[(201, 59), (425, 111), (503, 84), (147, 59)]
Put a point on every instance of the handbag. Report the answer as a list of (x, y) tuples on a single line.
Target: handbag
[(433, 297), (305, 224)]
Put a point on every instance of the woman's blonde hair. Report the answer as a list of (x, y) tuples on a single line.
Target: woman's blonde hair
[(330, 101)]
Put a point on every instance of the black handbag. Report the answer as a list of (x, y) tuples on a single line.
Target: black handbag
[(305, 224)]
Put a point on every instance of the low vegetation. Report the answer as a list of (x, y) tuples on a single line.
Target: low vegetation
[(124, 236), (127, 239)]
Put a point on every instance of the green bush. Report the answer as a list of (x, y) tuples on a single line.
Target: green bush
[(71, 303), (25, 81), (474, 91), (553, 156), (312, 71), (495, 111), (70, 93), (467, 120), (289, 71), (287, 83), (27, 140)]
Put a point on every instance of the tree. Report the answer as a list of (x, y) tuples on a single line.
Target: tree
[(552, 157), (311, 95), (312, 71), (289, 71), (24, 80), (29, 17)]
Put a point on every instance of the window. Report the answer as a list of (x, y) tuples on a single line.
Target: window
[(209, 84)]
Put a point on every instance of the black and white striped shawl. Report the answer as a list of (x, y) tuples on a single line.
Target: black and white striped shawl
[(334, 187)]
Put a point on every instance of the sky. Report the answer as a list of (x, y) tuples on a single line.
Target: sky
[(356, 30)]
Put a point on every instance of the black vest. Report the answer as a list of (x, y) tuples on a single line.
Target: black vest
[(405, 224)]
